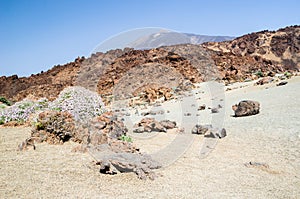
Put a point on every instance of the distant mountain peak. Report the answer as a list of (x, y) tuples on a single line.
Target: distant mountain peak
[(169, 38)]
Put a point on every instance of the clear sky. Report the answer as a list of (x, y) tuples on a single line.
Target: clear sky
[(37, 34)]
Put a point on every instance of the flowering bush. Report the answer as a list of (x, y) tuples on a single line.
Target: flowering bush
[(21, 111), (83, 104)]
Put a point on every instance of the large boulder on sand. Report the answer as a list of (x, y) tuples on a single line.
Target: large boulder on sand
[(246, 108)]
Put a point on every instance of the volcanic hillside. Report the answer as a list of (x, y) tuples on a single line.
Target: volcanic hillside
[(277, 50), (129, 72)]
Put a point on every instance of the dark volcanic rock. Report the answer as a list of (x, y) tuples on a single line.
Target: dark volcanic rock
[(150, 124), (281, 83), (215, 110), (264, 80), (246, 108), (209, 131), (202, 107)]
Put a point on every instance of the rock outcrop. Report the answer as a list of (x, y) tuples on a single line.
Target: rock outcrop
[(267, 51), (45, 84)]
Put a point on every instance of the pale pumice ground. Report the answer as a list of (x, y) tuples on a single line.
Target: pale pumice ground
[(271, 137)]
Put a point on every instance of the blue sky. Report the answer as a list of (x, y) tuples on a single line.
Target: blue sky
[(37, 34)]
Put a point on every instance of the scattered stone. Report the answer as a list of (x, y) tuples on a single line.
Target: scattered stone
[(153, 112), (24, 145), (187, 114), (144, 113), (281, 76), (139, 129), (157, 112), (246, 108), (209, 131), (202, 107), (150, 124), (215, 110), (201, 129), (156, 104), (281, 83), (168, 124), (264, 80)]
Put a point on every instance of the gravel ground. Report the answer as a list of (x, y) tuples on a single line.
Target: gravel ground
[(271, 137)]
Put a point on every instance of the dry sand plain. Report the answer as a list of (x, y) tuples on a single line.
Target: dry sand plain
[(271, 137)]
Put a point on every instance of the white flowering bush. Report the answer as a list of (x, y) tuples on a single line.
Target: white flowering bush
[(21, 111), (83, 104)]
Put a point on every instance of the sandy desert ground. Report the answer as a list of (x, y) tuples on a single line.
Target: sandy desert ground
[(271, 137)]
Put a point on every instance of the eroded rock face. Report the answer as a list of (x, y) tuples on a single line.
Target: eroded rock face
[(141, 164), (45, 84), (125, 73), (246, 108), (53, 127), (267, 51)]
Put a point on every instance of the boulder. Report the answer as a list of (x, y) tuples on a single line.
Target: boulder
[(215, 110), (168, 124), (264, 80), (201, 129), (150, 124), (281, 83), (141, 164), (202, 107), (209, 131), (246, 108)]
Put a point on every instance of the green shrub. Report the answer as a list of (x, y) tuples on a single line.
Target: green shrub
[(26, 105), (2, 120), (287, 74), (125, 138), (3, 106), (259, 74), (39, 126), (5, 101), (56, 109)]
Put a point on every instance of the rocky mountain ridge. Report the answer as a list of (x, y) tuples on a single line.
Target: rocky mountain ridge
[(129, 72)]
